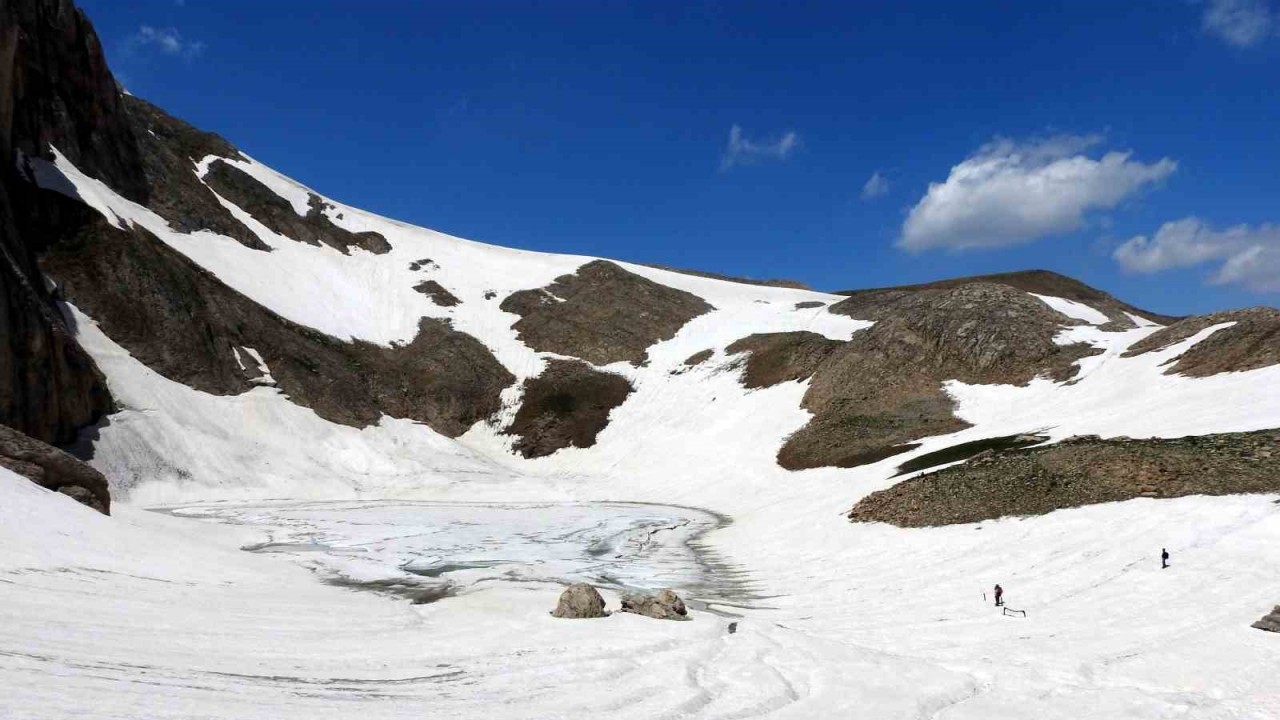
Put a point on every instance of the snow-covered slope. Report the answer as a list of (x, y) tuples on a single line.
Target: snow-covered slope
[(232, 350), (312, 420), (875, 620)]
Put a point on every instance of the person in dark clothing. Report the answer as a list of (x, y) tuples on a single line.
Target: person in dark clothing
[(999, 596), (1164, 558)]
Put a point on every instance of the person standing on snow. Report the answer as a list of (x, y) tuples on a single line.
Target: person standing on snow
[(999, 595), (1164, 558)]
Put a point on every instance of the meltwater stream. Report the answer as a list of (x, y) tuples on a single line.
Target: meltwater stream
[(428, 550)]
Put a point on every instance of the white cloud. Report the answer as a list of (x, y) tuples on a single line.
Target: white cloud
[(1242, 23), (875, 186), (742, 151), (1250, 255), (1008, 193), (167, 40)]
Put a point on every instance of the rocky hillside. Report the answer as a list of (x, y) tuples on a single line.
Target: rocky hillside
[(1079, 471), (1250, 340), (204, 279), (1039, 282), (55, 89)]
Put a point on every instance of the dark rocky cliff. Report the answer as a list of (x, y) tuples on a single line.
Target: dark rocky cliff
[(54, 89)]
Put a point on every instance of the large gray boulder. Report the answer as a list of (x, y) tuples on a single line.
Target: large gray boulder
[(666, 605), (580, 600), (1270, 622), (49, 467)]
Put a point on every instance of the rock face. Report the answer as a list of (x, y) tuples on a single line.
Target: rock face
[(602, 314), (171, 314), (1251, 343), (580, 600), (698, 358), (780, 357), (278, 214), (884, 388), (1270, 622), (170, 149), (1042, 282), (184, 323), (666, 605), (54, 89), (1079, 471), (567, 405), (437, 292), (52, 468)]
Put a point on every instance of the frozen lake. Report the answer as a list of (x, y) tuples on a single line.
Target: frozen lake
[(427, 550)]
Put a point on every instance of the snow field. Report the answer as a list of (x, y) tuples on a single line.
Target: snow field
[(118, 615)]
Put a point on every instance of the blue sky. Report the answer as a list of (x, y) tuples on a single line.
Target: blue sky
[(1133, 145)]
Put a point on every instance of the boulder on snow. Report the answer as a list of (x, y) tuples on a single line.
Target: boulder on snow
[(51, 468), (580, 600), (1270, 622), (666, 605)]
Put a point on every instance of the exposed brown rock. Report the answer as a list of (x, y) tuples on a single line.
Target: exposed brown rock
[(809, 304), (699, 357), (1040, 282), (974, 451), (52, 468), (1251, 343), (1079, 471), (567, 405), (169, 149), (875, 394), (666, 605), (1269, 622), (602, 314), (183, 322), (278, 214), (781, 357), (49, 387), (437, 292), (580, 601), (55, 89)]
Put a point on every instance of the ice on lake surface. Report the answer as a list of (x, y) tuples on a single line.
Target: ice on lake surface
[(427, 550)]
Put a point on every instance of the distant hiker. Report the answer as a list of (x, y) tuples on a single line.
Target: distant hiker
[(999, 596), (1164, 558)]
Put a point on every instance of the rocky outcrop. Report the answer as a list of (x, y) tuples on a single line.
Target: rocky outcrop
[(602, 314), (698, 358), (1040, 282), (55, 89), (171, 314), (183, 322), (54, 469), (1079, 471), (279, 215), (437, 292), (170, 150), (579, 601), (1269, 622), (1252, 342), (774, 358), (565, 406), (883, 389), (666, 605)]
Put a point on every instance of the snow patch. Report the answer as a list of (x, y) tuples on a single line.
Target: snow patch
[(1073, 309)]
